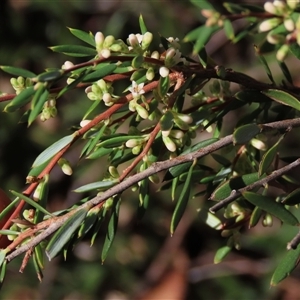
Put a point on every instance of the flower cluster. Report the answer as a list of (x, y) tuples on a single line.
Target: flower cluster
[(20, 83), (284, 28)]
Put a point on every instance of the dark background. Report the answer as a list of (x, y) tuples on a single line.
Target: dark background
[(144, 258)]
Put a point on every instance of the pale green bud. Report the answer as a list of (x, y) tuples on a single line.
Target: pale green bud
[(147, 39), (113, 171), (185, 118), (282, 52), (99, 39), (143, 113), (107, 98), (108, 41), (102, 85), (270, 8), (164, 71), (177, 134), (289, 24), (171, 146), (150, 74), (267, 220), (134, 142), (269, 24), (136, 150), (105, 53), (155, 54), (65, 166), (275, 38), (133, 41), (21, 80)]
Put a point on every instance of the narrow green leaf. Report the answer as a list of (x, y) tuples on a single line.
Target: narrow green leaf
[(64, 233), (225, 189), (112, 228), (142, 25), (39, 255), (37, 268), (20, 100), (99, 73), (285, 72), (96, 185), (74, 50), (210, 219), (268, 157), (182, 201), (31, 202), (250, 96), (166, 121), (283, 98), (95, 139), (245, 133), (52, 150), (203, 4), (221, 159), (292, 198), (295, 49), (84, 36), (286, 266), (2, 273), (265, 65), (17, 71), (228, 28), (50, 76), (99, 153), (274, 208), (163, 86), (221, 254), (89, 221), (8, 208), (2, 256), (39, 103), (117, 141)]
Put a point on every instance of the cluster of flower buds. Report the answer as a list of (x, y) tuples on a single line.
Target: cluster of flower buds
[(139, 43), (101, 90), (49, 110), (20, 83), (283, 12), (213, 17)]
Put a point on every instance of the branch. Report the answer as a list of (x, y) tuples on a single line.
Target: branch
[(153, 169)]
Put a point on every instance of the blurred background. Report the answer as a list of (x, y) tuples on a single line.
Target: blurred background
[(144, 262)]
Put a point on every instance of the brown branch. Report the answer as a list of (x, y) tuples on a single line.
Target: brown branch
[(53, 224)]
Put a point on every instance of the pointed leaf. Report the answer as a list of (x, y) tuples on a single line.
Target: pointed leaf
[(50, 76), (100, 73), (36, 110), (17, 71), (255, 216), (268, 157), (286, 266), (52, 150), (65, 232), (166, 121), (163, 86), (274, 208), (285, 72), (292, 198), (283, 98), (74, 50), (228, 28), (96, 185), (221, 254), (31, 202), (245, 133), (295, 49), (112, 228), (235, 183), (142, 25), (84, 36), (20, 100), (182, 201)]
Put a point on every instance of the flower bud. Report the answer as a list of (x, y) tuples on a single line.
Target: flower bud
[(289, 24), (108, 41), (105, 53), (155, 54), (171, 146), (150, 74), (282, 52), (133, 41), (107, 98), (143, 113), (67, 65), (99, 39), (147, 39), (164, 71), (270, 8), (113, 171), (65, 166), (269, 24), (84, 123)]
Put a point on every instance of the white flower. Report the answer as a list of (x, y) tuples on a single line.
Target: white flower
[(136, 89)]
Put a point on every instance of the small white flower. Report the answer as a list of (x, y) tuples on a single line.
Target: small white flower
[(136, 89)]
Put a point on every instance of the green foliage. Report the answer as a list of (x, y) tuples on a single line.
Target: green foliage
[(154, 108)]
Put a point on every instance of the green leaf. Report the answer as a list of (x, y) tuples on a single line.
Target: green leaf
[(20, 100), (245, 133), (74, 50), (52, 150), (166, 121), (250, 96), (286, 266), (89, 221), (117, 141), (228, 28), (96, 185), (182, 201), (95, 139), (221, 254), (265, 65), (17, 71), (112, 228), (99, 153), (144, 197), (39, 255), (285, 72), (31, 202), (236, 183), (3, 272), (64, 233), (84, 36), (142, 25), (99, 73), (50, 76), (268, 157), (203, 4), (274, 208), (210, 219), (283, 98), (295, 49), (163, 86), (292, 198), (38, 105)]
